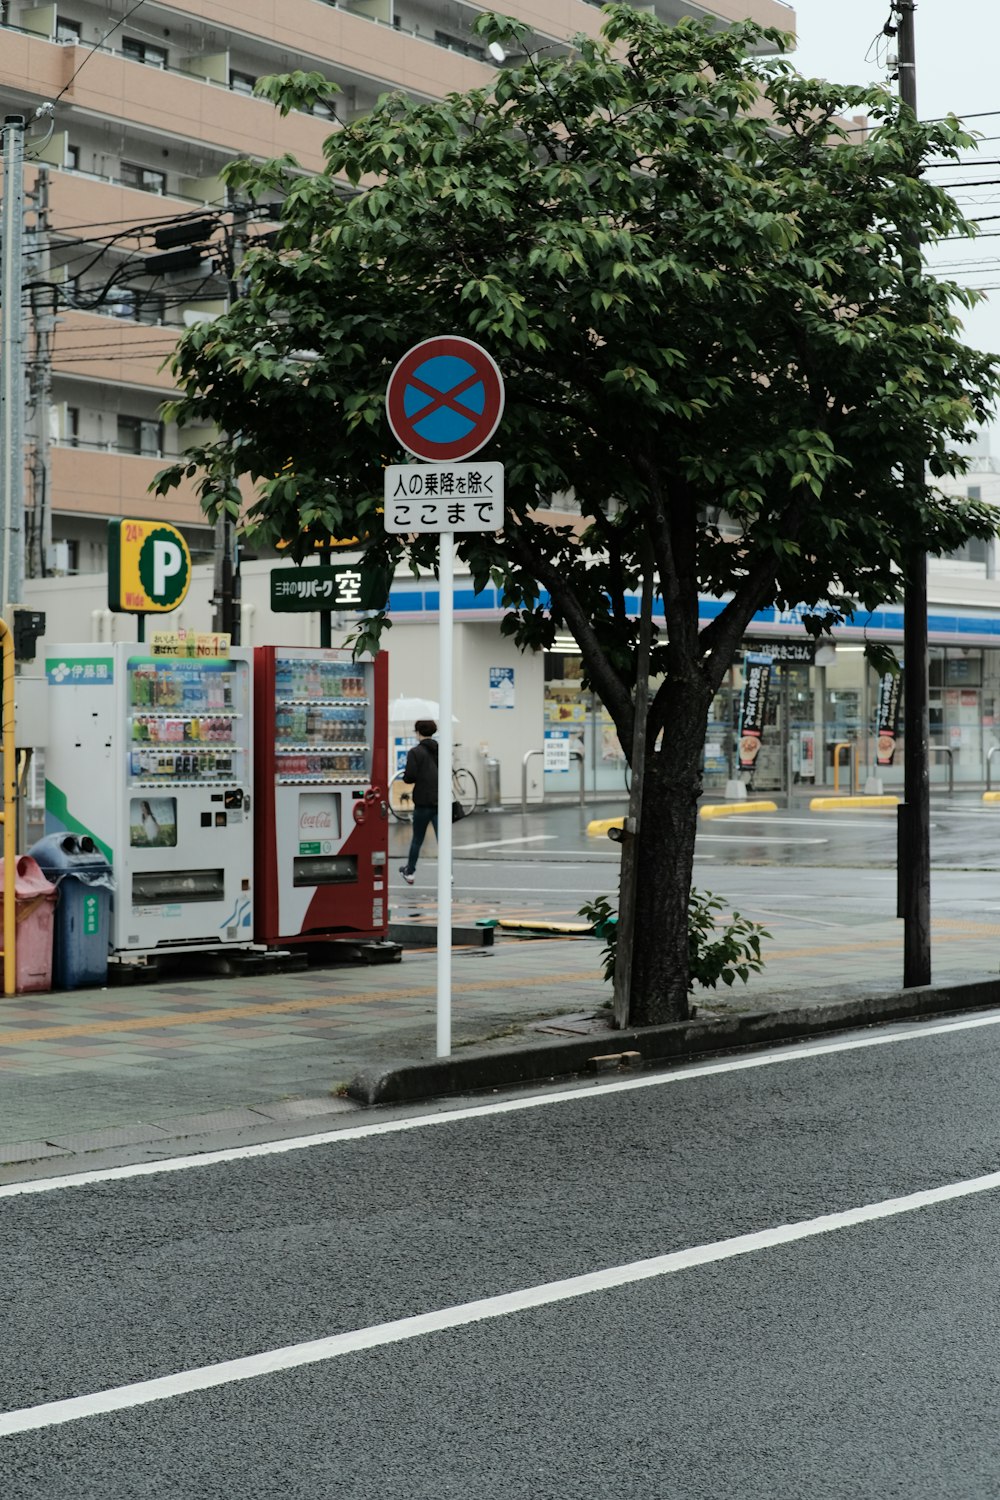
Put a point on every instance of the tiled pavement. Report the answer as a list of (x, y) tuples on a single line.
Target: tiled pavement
[(153, 1063)]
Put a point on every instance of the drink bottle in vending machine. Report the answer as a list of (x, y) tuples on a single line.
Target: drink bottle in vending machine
[(321, 844)]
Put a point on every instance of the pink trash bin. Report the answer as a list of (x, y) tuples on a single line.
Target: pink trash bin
[(35, 901)]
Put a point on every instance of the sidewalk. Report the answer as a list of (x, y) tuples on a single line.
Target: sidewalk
[(174, 1061)]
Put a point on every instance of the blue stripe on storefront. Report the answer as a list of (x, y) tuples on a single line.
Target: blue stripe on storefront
[(414, 602)]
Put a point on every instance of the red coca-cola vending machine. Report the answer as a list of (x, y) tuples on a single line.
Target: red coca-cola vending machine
[(321, 816)]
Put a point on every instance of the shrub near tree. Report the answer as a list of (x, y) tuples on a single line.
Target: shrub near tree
[(703, 295)]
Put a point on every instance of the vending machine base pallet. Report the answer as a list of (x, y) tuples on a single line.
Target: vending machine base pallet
[(333, 951), (228, 962)]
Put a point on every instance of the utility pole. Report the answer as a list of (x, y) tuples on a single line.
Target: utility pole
[(39, 550), (12, 364), (913, 847)]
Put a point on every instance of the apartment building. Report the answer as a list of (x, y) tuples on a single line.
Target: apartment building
[(151, 101)]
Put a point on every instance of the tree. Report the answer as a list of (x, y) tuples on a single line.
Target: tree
[(702, 293)]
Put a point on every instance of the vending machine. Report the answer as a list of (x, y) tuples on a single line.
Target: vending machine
[(321, 806), (152, 756)]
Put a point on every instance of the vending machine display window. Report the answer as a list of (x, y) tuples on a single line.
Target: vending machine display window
[(322, 730), (185, 721)]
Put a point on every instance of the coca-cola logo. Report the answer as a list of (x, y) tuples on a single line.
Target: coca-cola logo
[(316, 820)]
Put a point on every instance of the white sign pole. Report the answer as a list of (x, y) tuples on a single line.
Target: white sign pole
[(446, 612)]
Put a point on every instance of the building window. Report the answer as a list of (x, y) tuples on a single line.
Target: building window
[(72, 161), (137, 435), (973, 551), (148, 179), (144, 52), (71, 434), (136, 306), (241, 83), (68, 31), (459, 44)]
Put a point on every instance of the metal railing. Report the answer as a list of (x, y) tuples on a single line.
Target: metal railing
[(574, 755), (947, 750), (989, 766), (852, 759)]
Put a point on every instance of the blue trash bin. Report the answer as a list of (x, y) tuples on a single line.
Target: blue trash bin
[(83, 912)]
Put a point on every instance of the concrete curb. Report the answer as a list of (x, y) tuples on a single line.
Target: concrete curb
[(735, 809), (840, 804), (425, 935), (411, 1082)]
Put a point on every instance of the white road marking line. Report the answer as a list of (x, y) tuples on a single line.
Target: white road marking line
[(987, 811), (865, 822), (793, 1053), (527, 838), (470, 884), (318, 1351), (755, 838), (768, 911)]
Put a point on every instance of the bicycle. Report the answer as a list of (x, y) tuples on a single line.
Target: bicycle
[(464, 790)]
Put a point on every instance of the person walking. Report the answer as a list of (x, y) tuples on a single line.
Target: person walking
[(421, 772)]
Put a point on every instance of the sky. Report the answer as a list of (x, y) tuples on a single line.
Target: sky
[(958, 70)]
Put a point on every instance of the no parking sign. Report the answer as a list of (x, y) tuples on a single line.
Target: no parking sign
[(444, 399)]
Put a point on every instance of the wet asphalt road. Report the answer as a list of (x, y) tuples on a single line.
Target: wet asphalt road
[(965, 834), (857, 1362), (842, 864)]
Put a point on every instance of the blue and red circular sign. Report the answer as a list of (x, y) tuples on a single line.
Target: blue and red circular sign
[(444, 399)]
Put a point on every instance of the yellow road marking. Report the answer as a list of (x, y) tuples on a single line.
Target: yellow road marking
[(270, 1007)]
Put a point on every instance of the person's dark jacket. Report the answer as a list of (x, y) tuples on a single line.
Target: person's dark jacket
[(421, 773)]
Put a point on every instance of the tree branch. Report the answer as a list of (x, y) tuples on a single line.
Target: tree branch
[(606, 681)]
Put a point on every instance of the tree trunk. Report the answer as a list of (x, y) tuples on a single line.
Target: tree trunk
[(672, 786)]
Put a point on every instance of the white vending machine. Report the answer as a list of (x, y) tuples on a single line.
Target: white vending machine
[(151, 755)]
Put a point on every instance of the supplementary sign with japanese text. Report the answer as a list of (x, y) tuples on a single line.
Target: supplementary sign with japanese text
[(443, 497)]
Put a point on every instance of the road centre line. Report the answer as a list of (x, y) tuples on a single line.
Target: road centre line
[(794, 1053), (768, 911), (865, 822), (755, 838), (319, 1351), (527, 838)]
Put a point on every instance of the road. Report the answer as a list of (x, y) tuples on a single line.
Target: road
[(773, 865), (767, 1276)]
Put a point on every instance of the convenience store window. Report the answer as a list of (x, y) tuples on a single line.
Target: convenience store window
[(570, 707)]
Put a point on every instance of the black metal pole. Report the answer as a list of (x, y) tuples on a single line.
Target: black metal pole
[(914, 830)]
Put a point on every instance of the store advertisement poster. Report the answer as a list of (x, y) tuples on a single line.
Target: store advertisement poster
[(153, 823), (501, 687), (753, 709), (557, 748), (887, 728)]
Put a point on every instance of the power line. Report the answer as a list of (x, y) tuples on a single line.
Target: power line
[(99, 43)]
